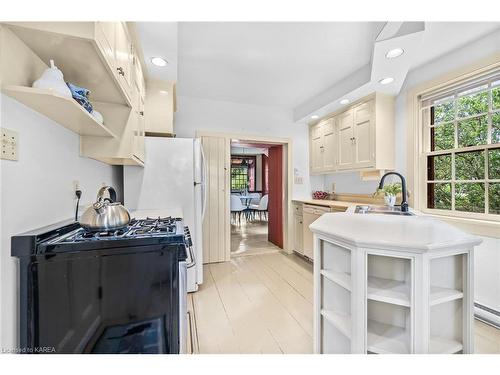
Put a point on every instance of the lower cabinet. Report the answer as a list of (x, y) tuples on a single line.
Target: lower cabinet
[(298, 238), (310, 213), (390, 302)]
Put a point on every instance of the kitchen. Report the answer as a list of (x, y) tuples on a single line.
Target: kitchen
[(168, 111)]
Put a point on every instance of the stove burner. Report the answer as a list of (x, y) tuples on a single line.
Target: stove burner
[(137, 228)]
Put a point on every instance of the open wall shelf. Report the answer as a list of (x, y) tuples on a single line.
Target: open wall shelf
[(65, 111)]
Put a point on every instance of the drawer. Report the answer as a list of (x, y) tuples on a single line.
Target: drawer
[(317, 210)]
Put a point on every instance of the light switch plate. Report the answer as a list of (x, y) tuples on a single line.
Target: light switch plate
[(8, 144), (298, 180)]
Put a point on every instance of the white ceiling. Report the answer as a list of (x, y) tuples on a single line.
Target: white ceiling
[(269, 63), (279, 64), (159, 39)]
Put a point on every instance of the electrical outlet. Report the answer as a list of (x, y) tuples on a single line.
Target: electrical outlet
[(76, 186), (9, 144)]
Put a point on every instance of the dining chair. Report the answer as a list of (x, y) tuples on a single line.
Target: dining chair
[(255, 198), (260, 208), (237, 208)]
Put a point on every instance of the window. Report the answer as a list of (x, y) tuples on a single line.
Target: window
[(461, 144), (243, 173)]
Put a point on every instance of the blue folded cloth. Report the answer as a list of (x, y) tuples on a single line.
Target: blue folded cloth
[(80, 94)]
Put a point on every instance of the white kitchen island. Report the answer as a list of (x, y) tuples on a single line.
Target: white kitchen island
[(392, 284)]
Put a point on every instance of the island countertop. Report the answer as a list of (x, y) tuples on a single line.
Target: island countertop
[(402, 233)]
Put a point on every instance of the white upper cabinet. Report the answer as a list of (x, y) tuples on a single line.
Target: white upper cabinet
[(345, 149), (360, 137), (99, 56), (123, 56), (323, 154)]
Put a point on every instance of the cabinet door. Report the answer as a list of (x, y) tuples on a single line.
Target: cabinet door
[(363, 135), (316, 152), (123, 56), (308, 241), (346, 134), (105, 37), (297, 235), (140, 133), (329, 146)]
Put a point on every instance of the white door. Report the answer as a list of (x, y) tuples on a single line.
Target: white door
[(346, 135), (216, 225), (363, 135)]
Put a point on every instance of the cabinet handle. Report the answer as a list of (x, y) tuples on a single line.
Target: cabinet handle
[(120, 71), (141, 113)]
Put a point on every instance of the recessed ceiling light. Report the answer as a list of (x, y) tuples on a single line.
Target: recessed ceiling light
[(159, 61), (314, 117), (344, 101), (393, 53), (386, 81)]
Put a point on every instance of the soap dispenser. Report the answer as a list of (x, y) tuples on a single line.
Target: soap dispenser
[(52, 78)]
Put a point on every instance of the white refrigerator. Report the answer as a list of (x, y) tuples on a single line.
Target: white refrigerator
[(172, 179)]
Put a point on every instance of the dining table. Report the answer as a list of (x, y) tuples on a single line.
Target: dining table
[(246, 199)]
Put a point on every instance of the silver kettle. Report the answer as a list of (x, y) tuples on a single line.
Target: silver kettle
[(105, 213)]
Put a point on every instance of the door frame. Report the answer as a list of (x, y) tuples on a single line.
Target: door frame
[(287, 144)]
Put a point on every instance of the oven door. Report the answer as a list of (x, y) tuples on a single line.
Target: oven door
[(118, 300)]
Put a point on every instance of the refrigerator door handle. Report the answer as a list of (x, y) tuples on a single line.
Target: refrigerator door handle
[(203, 182)]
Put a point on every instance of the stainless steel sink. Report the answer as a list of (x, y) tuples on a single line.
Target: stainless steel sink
[(385, 210)]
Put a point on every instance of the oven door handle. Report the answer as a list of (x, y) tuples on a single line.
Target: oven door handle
[(182, 307), (192, 261)]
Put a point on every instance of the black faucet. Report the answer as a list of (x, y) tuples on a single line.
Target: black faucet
[(404, 203)]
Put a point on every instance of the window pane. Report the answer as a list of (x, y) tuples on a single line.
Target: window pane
[(443, 137), (473, 132), (439, 167), (469, 165), (495, 93), (469, 197), (494, 163), (472, 104), (444, 112), (494, 198), (439, 196), (495, 128)]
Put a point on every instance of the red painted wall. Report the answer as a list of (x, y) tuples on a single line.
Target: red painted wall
[(275, 184)]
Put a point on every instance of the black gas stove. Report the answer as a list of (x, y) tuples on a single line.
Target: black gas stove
[(103, 292), (149, 227)]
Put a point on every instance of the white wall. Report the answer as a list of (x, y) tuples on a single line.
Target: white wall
[(37, 190), (221, 116)]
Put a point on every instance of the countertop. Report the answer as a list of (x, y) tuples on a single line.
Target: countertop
[(327, 203), (401, 233)]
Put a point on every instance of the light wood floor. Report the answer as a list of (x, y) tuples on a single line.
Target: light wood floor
[(250, 238), (263, 304)]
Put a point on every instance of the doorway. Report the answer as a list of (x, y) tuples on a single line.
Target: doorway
[(256, 204), (250, 175)]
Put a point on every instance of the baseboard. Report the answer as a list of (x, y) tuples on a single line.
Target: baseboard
[(487, 315)]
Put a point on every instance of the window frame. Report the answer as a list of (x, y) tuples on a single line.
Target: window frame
[(427, 124), (479, 223)]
